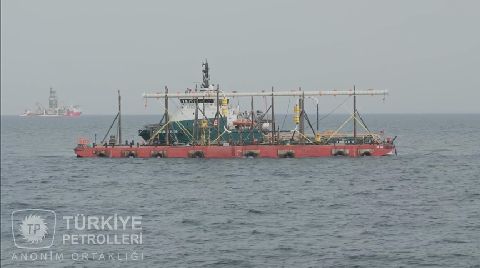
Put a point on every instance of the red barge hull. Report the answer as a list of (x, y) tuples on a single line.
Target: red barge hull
[(233, 151)]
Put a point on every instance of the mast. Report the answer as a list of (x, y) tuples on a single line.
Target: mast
[(273, 119), (119, 125), (354, 116), (217, 115), (302, 117), (195, 123), (167, 130), (251, 125), (203, 129), (206, 75)]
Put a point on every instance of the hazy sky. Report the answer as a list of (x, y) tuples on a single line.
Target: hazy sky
[(427, 53)]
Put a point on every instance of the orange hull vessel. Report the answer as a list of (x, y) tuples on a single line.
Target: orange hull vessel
[(207, 125), (241, 151)]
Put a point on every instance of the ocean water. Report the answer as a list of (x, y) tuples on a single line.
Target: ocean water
[(420, 208)]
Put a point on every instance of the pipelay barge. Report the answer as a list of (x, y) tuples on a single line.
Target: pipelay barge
[(207, 125)]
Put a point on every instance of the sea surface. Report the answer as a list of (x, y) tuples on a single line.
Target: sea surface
[(418, 209)]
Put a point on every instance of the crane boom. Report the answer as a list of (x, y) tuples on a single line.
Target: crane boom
[(212, 93)]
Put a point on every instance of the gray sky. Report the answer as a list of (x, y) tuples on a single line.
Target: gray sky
[(427, 53)]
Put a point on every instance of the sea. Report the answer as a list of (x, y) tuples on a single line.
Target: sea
[(420, 208)]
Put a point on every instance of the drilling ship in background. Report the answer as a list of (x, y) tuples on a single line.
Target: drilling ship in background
[(54, 109), (207, 125)]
